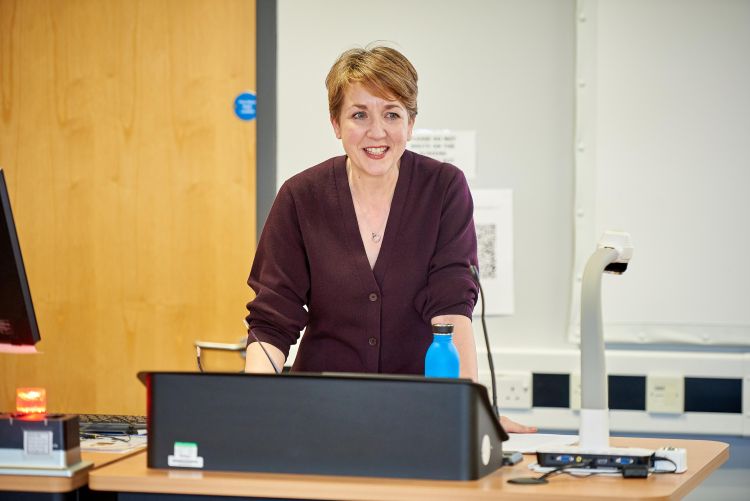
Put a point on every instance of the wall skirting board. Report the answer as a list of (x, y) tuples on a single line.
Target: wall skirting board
[(649, 391)]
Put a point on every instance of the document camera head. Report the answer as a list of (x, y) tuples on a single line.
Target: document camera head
[(621, 242)]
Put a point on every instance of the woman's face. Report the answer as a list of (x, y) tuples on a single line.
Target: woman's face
[(373, 131)]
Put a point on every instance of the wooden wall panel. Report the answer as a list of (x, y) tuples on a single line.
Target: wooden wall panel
[(133, 187)]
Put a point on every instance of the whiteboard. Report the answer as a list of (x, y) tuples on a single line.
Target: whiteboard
[(671, 114)]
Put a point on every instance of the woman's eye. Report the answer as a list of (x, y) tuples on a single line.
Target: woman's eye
[(392, 116), (359, 115)]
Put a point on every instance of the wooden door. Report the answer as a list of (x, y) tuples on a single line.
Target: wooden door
[(133, 188)]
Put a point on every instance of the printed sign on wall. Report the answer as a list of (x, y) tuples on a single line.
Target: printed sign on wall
[(457, 147), (493, 219)]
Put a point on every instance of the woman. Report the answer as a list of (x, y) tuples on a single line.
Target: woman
[(367, 250)]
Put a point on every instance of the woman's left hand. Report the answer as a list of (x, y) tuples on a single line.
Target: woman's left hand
[(511, 426)]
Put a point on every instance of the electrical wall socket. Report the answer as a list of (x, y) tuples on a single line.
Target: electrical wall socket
[(665, 394), (514, 390), (575, 391)]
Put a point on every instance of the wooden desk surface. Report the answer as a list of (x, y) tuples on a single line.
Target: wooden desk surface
[(33, 483), (132, 475)]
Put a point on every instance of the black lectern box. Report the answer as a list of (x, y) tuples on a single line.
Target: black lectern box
[(329, 424)]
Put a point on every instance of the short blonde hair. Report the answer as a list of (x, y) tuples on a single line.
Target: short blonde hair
[(382, 70)]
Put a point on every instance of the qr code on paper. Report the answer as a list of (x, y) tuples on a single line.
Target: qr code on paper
[(486, 235)]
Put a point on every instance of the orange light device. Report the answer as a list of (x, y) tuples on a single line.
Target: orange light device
[(31, 401), (31, 438)]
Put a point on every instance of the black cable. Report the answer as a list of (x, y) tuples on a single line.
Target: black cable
[(268, 356), (543, 478), (273, 364), (664, 459), (570, 466), (475, 274)]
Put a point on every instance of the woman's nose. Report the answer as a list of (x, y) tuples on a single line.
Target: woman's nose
[(377, 128)]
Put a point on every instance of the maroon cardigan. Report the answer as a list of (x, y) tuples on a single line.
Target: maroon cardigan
[(311, 270)]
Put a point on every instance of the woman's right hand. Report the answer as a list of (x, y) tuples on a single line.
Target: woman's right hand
[(511, 426)]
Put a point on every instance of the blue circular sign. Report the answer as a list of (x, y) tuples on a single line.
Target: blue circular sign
[(244, 106)]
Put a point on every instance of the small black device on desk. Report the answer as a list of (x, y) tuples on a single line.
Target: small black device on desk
[(46, 441), (112, 423)]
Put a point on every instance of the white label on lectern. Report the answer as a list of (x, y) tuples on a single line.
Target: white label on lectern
[(37, 443), (486, 450), (185, 456)]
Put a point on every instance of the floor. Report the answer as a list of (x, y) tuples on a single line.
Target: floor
[(731, 482)]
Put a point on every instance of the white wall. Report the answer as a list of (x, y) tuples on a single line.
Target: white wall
[(504, 69), (508, 70)]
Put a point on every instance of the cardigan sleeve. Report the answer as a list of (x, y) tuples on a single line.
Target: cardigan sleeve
[(451, 289), (280, 277)]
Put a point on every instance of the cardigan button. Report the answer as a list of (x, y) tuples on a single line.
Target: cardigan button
[(372, 341), (373, 297)]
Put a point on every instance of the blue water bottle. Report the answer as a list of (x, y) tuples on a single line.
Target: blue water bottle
[(442, 356)]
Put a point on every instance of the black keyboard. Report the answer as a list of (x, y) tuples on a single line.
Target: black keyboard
[(112, 423)]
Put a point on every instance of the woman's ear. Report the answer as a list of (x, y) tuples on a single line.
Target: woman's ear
[(336, 127)]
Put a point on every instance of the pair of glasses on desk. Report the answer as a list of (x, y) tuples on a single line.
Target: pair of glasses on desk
[(111, 424), (115, 437)]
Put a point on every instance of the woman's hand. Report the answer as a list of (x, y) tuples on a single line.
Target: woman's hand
[(511, 426)]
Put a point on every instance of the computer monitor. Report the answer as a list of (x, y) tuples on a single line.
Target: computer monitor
[(19, 331)]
